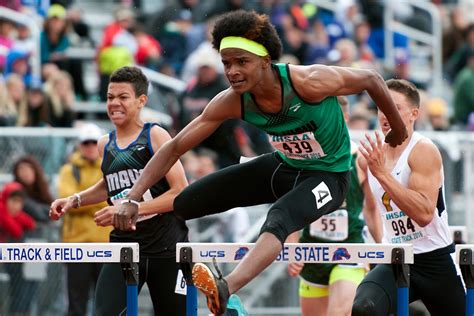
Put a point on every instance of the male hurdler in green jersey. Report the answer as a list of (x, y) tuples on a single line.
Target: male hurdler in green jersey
[(305, 178)]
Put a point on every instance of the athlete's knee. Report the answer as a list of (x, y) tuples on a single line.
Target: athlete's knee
[(278, 224), (363, 307)]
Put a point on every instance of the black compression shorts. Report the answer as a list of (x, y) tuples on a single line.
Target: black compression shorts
[(300, 196)]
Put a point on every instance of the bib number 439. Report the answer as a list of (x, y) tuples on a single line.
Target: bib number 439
[(297, 147)]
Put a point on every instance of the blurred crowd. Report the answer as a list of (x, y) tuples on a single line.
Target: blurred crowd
[(175, 41)]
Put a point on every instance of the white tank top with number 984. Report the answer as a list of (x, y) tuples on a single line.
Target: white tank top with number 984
[(397, 226)]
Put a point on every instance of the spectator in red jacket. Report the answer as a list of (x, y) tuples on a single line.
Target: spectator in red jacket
[(14, 222)]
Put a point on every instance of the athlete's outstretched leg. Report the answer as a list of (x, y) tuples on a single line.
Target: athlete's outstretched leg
[(238, 185), (218, 290), (290, 213), (266, 249), (294, 210)]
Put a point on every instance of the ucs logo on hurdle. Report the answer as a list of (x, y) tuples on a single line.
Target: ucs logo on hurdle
[(371, 254), (239, 254), (212, 253)]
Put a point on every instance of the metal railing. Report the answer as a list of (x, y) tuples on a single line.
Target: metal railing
[(433, 40), (163, 80), (391, 25), (158, 78), (52, 145)]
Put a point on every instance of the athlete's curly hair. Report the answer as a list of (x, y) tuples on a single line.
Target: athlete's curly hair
[(255, 27)]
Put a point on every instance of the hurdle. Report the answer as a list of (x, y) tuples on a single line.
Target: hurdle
[(124, 253), (465, 259), (398, 255)]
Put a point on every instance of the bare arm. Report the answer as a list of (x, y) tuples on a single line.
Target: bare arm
[(195, 132), (68, 185), (175, 177), (370, 210), (92, 195), (224, 106), (168, 155), (160, 204), (418, 199), (319, 82)]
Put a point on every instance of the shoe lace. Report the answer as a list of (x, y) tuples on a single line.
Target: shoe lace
[(219, 273)]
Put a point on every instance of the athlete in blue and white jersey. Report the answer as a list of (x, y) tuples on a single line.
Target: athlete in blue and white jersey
[(407, 182)]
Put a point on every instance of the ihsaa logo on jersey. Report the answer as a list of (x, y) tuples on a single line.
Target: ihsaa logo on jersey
[(340, 254), (240, 253)]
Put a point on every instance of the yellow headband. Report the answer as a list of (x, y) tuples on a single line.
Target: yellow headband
[(243, 43)]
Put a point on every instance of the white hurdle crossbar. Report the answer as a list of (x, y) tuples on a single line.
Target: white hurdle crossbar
[(465, 259), (399, 255), (125, 253)]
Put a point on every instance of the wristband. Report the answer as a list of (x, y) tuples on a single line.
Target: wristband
[(78, 198), (130, 201)]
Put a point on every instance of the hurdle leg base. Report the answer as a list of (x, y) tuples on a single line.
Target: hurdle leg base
[(130, 273), (401, 272)]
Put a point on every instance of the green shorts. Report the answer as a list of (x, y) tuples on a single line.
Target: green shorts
[(317, 284)]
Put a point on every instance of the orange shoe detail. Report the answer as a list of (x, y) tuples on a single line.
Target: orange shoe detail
[(207, 283)]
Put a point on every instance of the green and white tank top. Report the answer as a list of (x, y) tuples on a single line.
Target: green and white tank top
[(306, 135)]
